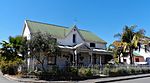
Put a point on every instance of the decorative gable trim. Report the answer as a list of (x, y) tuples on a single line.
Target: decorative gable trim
[(76, 29), (85, 46), (24, 27)]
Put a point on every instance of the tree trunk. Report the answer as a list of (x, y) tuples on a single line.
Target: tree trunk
[(43, 68), (119, 58), (131, 55)]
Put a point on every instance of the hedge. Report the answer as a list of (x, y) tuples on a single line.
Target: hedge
[(122, 71)]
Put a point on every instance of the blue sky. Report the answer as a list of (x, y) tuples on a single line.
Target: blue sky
[(102, 17)]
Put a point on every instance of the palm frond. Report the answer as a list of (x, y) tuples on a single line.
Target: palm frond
[(118, 35)]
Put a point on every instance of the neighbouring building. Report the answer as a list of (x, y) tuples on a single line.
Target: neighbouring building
[(141, 55), (78, 47)]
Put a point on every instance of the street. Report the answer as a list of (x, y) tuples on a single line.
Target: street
[(139, 80)]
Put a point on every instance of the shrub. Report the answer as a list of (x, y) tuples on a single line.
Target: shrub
[(55, 70), (120, 71), (70, 71), (4, 68), (106, 71), (10, 66), (129, 70), (85, 72), (113, 72)]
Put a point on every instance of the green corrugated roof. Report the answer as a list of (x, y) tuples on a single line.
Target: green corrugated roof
[(61, 31), (88, 36), (136, 53)]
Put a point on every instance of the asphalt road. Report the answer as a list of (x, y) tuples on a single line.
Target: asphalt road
[(139, 80)]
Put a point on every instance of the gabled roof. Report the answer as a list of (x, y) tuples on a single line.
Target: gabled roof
[(72, 28), (61, 31), (135, 53)]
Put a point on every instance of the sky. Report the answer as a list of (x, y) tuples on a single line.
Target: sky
[(102, 17)]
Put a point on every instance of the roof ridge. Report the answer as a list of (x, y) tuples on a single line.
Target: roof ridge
[(48, 24), (55, 25), (84, 30)]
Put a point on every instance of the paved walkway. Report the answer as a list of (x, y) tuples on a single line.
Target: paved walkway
[(98, 80)]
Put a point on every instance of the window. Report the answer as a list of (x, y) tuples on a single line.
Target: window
[(74, 38), (51, 60), (92, 44), (74, 29), (136, 59)]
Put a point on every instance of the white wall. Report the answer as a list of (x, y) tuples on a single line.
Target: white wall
[(26, 32), (69, 37), (142, 53), (97, 45), (127, 59)]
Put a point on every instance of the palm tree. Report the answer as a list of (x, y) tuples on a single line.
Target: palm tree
[(16, 43), (116, 49), (13, 47), (130, 38), (6, 50), (9, 54)]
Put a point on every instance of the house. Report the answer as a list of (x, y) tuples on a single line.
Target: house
[(79, 47), (141, 55)]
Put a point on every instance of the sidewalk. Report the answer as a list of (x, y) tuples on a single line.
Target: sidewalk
[(112, 79), (98, 80), (31, 80)]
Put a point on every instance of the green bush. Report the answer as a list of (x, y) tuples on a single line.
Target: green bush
[(124, 71), (129, 70), (4, 68), (70, 71), (120, 71), (113, 72), (85, 72), (67, 73), (117, 71), (10, 67), (106, 71), (55, 70)]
